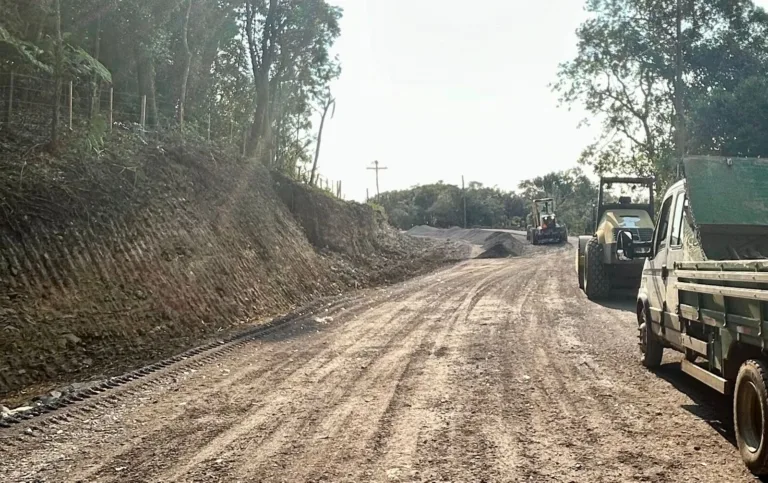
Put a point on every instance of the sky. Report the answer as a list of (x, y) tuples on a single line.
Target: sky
[(434, 90)]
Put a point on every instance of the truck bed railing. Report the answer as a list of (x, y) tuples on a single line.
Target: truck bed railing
[(725, 265), (742, 293), (723, 276)]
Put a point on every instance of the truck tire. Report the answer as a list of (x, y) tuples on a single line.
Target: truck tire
[(651, 349), (596, 283), (750, 415)]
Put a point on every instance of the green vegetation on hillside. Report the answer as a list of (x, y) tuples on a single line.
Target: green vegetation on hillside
[(252, 71)]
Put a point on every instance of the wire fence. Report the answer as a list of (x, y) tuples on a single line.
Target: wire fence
[(27, 103)]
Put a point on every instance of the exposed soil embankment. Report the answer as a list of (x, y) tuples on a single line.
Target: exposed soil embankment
[(486, 243), (111, 263)]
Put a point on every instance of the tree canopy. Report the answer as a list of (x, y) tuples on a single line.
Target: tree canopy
[(259, 67), (624, 74)]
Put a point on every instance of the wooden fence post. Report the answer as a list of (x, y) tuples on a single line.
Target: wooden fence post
[(70, 105), (143, 111), (10, 100), (111, 106)]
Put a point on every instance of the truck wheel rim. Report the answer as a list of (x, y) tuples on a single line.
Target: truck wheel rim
[(750, 416)]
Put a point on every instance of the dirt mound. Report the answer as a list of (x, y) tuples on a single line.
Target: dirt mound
[(501, 245), (475, 236), (495, 244), (113, 262)]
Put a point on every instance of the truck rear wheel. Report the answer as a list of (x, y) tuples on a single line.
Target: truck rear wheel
[(750, 415), (596, 283), (650, 346)]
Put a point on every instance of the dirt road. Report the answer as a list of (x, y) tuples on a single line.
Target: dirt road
[(491, 370)]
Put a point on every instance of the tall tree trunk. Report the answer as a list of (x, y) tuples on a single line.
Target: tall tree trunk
[(145, 71), (259, 119), (331, 101), (58, 73), (95, 81), (187, 63), (262, 57), (154, 116)]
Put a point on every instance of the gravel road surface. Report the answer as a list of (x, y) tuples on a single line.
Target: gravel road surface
[(490, 370)]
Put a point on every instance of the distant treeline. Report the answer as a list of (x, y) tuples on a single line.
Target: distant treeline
[(442, 205)]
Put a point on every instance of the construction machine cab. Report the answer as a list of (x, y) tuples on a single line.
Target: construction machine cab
[(600, 264), (544, 227), (605, 197)]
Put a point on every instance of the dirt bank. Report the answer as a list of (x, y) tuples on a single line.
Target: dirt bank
[(113, 262)]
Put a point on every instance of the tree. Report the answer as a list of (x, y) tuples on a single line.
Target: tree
[(288, 43), (187, 61), (255, 66), (329, 102), (732, 123), (624, 72), (58, 73), (441, 205)]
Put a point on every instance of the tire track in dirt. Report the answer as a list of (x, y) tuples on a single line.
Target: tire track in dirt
[(492, 370), (589, 421), (203, 438), (462, 448), (393, 450), (195, 431), (374, 395), (171, 444)]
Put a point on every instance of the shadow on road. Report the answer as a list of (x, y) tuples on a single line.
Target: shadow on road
[(624, 300), (708, 405)]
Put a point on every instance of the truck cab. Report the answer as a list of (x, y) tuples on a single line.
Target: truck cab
[(657, 293)]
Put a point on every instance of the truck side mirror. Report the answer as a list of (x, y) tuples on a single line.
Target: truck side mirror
[(625, 245)]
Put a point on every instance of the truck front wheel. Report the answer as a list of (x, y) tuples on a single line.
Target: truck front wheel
[(750, 415), (650, 346)]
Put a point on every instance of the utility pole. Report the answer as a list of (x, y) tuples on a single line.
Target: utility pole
[(377, 168), (679, 116), (464, 196)]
